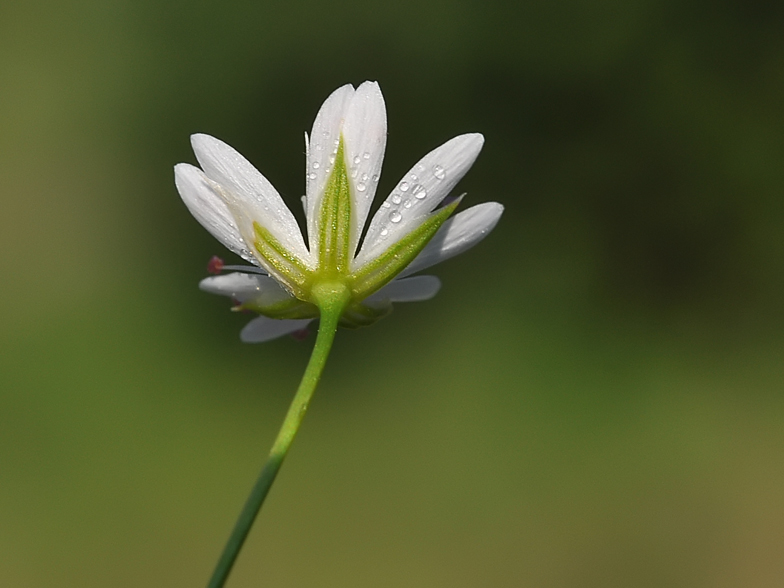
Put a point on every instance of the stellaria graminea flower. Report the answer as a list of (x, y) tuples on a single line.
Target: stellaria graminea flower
[(287, 283), (332, 278)]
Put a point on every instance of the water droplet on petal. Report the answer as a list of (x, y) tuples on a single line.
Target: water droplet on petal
[(316, 165), (361, 187), (311, 176), (332, 159), (374, 177), (414, 177), (419, 191), (439, 172), (365, 177), (404, 186), (395, 198), (395, 216), (384, 232), (366, 155), (357, 160), (354, 173), (407, 203), (385, 204)]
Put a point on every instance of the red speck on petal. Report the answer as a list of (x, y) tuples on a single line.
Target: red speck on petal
[(237, 307), (215, 265), (300, 335)]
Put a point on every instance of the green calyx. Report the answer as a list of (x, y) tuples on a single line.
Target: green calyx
[(333, 286)]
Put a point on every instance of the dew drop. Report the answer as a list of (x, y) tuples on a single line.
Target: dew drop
[(395, 198), (419, 191), (395, 216), (414, 177), (361, 187), (365, 177), (354, 173), (384, 232), (312, 176), (407, 203), (404, 186), (357, 160), (366, 155), (374, 177), (439, 172), (385, 204), (332, 159), (316, 165)]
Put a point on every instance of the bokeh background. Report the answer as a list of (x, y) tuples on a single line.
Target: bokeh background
[(595, 397)]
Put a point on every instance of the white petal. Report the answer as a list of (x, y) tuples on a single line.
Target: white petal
[(208, 208), (324, 140), (420, 191), (365, 139), (243, 287), (248, 194), (456, 235), (263, 329), (413, 289)]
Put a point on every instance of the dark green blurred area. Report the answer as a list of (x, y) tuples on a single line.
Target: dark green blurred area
[(595, 397)]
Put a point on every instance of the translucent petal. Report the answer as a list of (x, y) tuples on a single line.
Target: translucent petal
[(419, 192), (207, 207), (263, 329), (413, 289), (243, 287), (323, 145), (458, 234), (365, 139), (248, 194)]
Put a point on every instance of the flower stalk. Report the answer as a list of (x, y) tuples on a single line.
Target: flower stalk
[(332, 298)]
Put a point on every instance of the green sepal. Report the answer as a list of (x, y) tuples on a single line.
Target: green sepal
[(334, 218), (286, 309), (379, 272), (282, 264), (359, 315)]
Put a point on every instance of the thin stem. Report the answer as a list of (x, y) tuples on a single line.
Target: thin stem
[(330, 315)]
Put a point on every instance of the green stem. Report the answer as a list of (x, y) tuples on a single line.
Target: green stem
[(332, 302)]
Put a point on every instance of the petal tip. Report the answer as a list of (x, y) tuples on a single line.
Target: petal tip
[(201, 142), (370, 87), (477, 139), (497, 207), (210, 284)]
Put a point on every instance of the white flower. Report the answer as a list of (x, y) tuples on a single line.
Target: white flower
[(290, 281)]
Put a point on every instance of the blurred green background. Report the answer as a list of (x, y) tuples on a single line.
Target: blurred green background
[(595, 397)]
